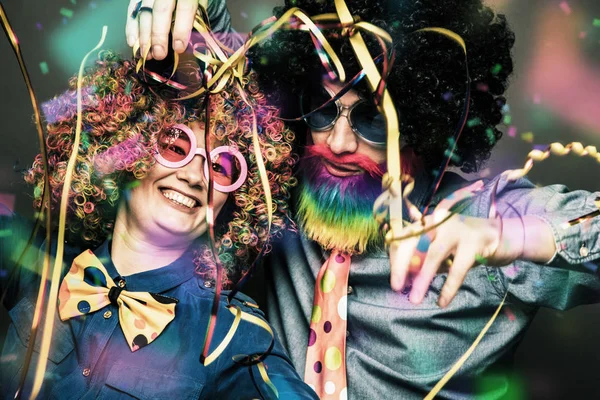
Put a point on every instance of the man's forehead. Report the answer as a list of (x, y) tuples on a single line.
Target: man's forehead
[(335, 86)]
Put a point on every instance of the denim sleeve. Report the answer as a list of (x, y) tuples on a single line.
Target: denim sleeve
[(18, 270), (236, 381), (220, 21), (571, 277)]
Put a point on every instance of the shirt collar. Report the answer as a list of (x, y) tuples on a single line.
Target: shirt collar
[(423, 187), (420, 191), (157, 280)]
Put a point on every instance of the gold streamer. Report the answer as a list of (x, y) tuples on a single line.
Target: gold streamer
[(465, 356), (239, 315), (265, 377), (57, 268), (556, 149), (227, 339), (392, 177), (44, 212)]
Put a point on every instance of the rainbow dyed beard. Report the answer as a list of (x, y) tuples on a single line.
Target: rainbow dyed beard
[(337, 212)]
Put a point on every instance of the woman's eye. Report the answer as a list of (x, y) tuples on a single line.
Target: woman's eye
[(218, 168), (178, 150)]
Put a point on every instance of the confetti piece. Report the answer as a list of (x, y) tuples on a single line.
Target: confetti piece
[(496, 69), (65, 12), (591, 266), (482, 87), (454, 157), (133, 184), (512, 131), (511, 271), (538, 283), (491, 278), (509, 313), (39, 26), (527, 136), (505, 109), (596, 22), (565, 7), (451, 141), (473, 122), (490, 135), (507, 120), (44, 67), (8, 357), (483, 260), (448, 96)]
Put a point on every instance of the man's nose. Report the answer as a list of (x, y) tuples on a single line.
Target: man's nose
[(342, 139)]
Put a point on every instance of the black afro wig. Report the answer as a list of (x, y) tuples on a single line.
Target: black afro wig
[(428, 81)]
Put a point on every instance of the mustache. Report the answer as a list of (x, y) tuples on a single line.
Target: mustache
[(360, 160)]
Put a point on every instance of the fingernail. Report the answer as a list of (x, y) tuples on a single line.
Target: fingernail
[(415, 295), (157, 50), (178, 46), (397, 285), (442, 302)]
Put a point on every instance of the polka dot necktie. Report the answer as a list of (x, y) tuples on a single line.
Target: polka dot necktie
[(87, 287), (325, 368)]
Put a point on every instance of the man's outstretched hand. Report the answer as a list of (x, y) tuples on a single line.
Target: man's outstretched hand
[(469, 241), (149, 22)]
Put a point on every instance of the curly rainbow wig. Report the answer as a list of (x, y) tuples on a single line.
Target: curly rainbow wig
[(121, 120), (428, 79)]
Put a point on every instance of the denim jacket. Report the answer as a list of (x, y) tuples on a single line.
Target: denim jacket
[(89, 357), (398, 350)]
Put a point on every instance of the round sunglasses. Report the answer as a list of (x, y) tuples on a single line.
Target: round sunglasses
[(177, 147), (363, 117)]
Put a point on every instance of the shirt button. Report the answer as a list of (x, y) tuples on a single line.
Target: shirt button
[(122, 283), (208, 284), (86, 372), (107, 314), (350, 290)]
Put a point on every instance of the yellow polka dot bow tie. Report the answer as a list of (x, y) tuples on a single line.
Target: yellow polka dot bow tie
[(87, 288)]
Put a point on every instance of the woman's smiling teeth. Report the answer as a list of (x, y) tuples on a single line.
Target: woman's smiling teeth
[(179, 198)]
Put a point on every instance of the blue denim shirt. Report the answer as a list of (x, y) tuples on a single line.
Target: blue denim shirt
[(398, 350), (89, 357)]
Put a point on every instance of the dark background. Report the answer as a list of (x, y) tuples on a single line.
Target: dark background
[(555, 96)]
